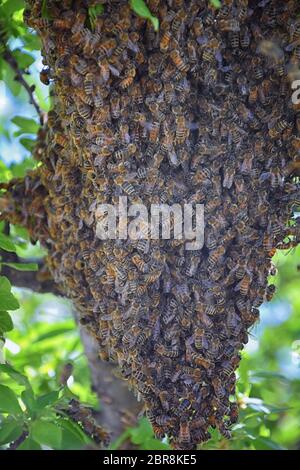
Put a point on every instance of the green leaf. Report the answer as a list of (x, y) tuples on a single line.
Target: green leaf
[(263, 443), (142, 432), (6, 243), (22, 266), (32, 42), (10, 429), (53, 333), (47, 433), (73, 437), (8, 401), (28, 399), (6, 323), (27, 143), (29, 444), (216, 3), (45, 10), (8, 301), (154, 444), (10, 6), (141, 9), (8, 77), (5, 285), (24, 60), (47, 399), (28, 126), (93, 12), (14, 374)]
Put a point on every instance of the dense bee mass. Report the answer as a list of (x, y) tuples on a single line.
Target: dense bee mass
[(199, 112)]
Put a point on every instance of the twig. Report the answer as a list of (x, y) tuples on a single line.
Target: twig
[(15, 444), (9, 58)]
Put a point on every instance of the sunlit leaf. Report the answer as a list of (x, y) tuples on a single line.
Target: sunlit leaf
[(47, 399), (10, 429), (47, 433), (6, 243), (8, 401), (22, 266), (141, 9), (27, 125), (6, 323), (14, 374), (29, 444)]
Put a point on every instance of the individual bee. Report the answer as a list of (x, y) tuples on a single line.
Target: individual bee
[(199, 338), (215, 256), (84, 110), (244, 285), (165, 41), (182, 132), (45, 76), (178, 61), (178, 22), (229, 25), (184, 433)]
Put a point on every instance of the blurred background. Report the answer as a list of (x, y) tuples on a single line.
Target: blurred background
[(44, 335)]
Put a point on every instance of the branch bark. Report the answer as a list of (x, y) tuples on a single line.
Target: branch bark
[(9, 58)]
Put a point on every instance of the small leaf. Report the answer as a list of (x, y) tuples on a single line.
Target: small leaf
[(6, 243), (8, 77), (47, 399), (141, 9), (32, 42), (11, 6), (14, 374), (5, 285), (142, 432), (216, 3), (154, 444), (47, 433), (45, 10), (23, 266), (73, 437), (24, 60), (10, 429), (28, 399), (93, 12), (6, 323), (8, 401), (28, 126), (29, 444), (27, 143), (8, 301)]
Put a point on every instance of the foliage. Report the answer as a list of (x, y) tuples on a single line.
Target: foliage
[(38, 334)]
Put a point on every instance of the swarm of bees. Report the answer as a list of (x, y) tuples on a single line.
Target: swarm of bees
[(197, 112)]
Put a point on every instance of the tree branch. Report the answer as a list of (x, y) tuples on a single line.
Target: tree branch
[(9, 58), (119, 408), (39, 281)]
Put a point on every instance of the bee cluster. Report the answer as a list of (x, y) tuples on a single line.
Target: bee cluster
[(199, 112)]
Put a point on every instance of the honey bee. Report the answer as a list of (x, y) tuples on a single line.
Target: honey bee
[(84, 110), (184, 433), (199, 337), (45, 76), (182, 132), (244, 285), (165, 41), (228, 25), (178, 61), (178, 21), (129, 78)]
